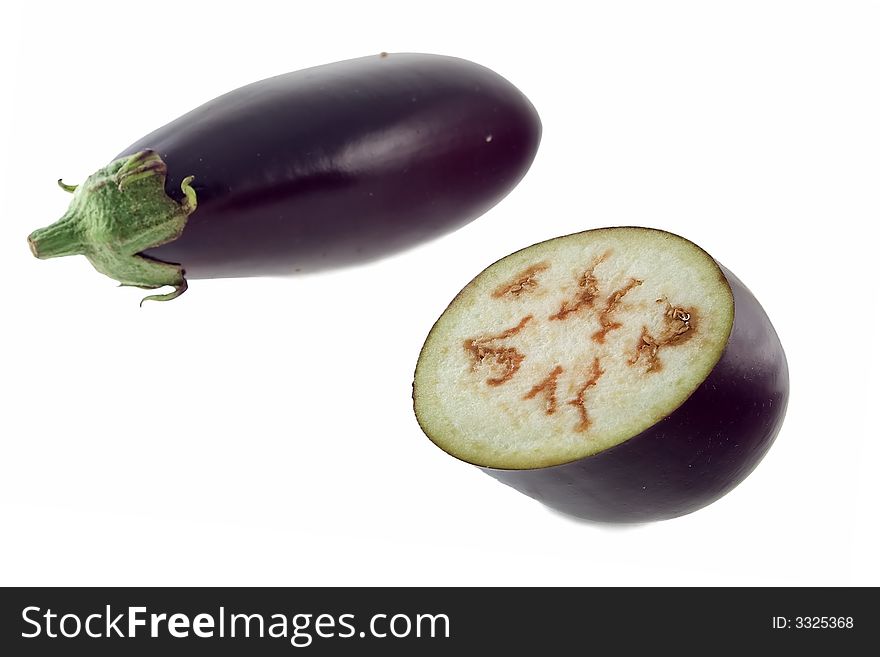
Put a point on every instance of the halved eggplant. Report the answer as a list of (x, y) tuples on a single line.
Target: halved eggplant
[(618, 374)]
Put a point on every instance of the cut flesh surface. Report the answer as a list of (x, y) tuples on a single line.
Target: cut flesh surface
[(572, 346)]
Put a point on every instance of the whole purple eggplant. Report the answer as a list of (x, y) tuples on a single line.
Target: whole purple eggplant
[(328, 166)]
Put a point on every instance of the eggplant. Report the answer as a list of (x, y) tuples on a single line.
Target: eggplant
[(324, 167), (616, 375)]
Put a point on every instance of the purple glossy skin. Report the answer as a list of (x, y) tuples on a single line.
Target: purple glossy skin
[(342, 163), (699, 452)]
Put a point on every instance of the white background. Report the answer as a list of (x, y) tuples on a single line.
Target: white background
[(260, 431)]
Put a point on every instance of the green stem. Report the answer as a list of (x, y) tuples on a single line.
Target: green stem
[(63, 238), (119, 212)]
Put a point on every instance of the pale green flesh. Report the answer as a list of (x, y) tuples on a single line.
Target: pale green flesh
[(572, 346)]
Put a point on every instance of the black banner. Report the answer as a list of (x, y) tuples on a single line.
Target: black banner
[(338, 621)]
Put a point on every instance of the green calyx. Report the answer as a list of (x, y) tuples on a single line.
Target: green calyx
[(116, 214)]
